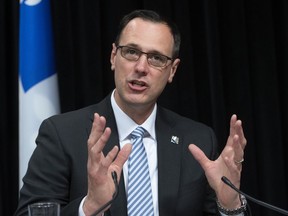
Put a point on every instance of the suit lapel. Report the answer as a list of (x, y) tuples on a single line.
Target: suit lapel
[(169, 159)]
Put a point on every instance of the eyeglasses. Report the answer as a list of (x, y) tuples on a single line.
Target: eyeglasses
[(153, 59)]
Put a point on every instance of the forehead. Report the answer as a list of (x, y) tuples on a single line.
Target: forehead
[(147, 35)]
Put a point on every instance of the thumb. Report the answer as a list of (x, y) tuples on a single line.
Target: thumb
[(121, 158), (123, 155), (199, 155)]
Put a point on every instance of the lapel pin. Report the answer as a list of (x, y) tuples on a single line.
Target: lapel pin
[(175, 139)]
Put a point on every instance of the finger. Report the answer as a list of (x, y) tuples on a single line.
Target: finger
[(95, 151), (97, 129), (107, 161), (240, 133), (123, 155), (199, 155), (238, 150), (120, 159), (236, 129), (232, 125)]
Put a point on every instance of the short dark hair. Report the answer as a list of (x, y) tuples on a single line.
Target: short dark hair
[(152, 16)]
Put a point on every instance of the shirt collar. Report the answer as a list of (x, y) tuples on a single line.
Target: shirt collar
[(126, 125)]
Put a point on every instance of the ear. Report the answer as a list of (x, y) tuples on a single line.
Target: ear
[(173, 69), (112, 56)]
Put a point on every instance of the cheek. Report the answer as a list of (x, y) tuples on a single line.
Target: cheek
[(120, 73), (121, 65), (160, 82)]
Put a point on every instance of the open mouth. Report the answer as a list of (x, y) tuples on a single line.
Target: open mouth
[(138, 83)]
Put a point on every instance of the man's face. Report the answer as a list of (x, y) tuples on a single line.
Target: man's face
[(139, 84)]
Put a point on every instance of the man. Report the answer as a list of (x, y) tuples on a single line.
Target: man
[(73, 162)]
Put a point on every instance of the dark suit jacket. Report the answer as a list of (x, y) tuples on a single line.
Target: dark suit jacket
[(57, 169)]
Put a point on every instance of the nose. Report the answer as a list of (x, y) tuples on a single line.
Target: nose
[(142, 64)]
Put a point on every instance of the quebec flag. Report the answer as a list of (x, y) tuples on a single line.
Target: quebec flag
[(38, 87)]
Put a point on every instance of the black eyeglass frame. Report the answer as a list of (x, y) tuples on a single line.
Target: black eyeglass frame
[(147, 54)]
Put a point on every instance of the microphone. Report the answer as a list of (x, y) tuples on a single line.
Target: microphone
[(266, 205), (115, 194)]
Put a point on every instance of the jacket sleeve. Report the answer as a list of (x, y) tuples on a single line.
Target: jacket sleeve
[(48, 176)]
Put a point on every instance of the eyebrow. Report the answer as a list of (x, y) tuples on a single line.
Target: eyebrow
[(133, 45)]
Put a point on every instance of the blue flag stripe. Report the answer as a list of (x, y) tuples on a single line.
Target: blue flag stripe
[(36, 52)]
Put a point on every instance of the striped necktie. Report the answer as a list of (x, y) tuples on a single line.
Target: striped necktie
[(139, 201)]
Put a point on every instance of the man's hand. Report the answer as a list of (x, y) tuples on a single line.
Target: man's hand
[(100, 183), (227, 164)]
